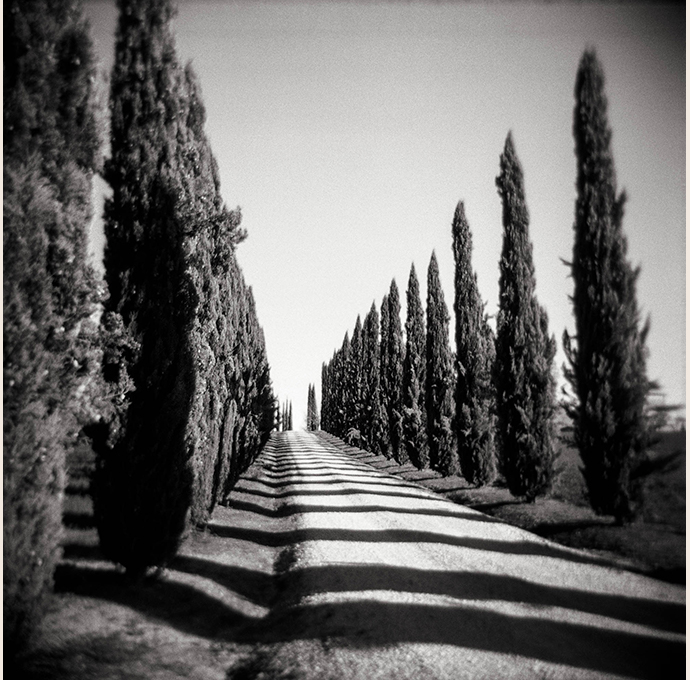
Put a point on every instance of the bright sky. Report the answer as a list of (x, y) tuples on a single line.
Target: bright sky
[(347, 132)]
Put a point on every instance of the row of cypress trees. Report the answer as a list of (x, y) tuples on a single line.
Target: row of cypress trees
[(470, 411), (172, 385), (490, 406), (201, 404), (283, 422), (313, 420)]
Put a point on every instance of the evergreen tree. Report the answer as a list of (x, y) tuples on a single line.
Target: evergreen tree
[(326, 415), (51, 149), (312, 409), (372, 412), (475, 354), (341, 387), (353, 393), (525, 386), (249, 401), (607, 363), (289, 422), (414, 378), (383, 378), (394, 376), (143, 486), (439, 388)]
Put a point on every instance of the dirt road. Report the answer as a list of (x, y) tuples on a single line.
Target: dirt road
[(380, 578)]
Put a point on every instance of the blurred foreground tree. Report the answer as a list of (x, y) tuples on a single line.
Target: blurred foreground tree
[(607, 356), (51, 150)]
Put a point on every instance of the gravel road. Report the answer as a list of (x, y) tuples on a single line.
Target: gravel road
[(381, 578)]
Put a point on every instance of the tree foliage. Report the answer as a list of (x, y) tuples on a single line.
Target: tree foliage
[(313, 422), (439, 374), (475, 354), (384, 369), (373, 428), (525, 386), (202, 403), (607, 360), (51, 150), (393, 388), (414, 378)]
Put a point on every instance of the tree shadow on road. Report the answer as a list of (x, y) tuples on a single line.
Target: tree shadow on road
[(290, 493), (279, 539), (301, 508), (370, 623)]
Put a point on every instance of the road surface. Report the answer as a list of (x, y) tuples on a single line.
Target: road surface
[(379, 578)]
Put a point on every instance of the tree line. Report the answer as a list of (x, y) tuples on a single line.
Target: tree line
[(283, 421), (313, 420), (161, 365), (487, 407)]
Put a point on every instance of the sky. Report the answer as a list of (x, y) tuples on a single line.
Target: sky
[(347, 132)]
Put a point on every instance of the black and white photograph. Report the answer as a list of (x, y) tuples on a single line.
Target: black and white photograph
[(344, 340)]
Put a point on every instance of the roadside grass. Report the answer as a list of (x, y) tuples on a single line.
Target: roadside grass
[(654, 544)]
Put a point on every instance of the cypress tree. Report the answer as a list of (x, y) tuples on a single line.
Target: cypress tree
[(414, 378), (353, 407), (394, 379), (342, 387), (372, 412), (386, 448), (51, 149), (143, 485), (211, 235), (312, 409), (325, 398), (607, 362), (525, 386), (475, 354), (439, 388)]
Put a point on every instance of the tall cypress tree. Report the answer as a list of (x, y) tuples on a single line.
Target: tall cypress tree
[(312, 409), (607, 363), (439, 370), (372, 411), (525, 386), (386, 449), (414, 378), (51, 149), (394, 372), (144, 480), (326, 417), (353, 406), (341, 388), (475, 354)]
